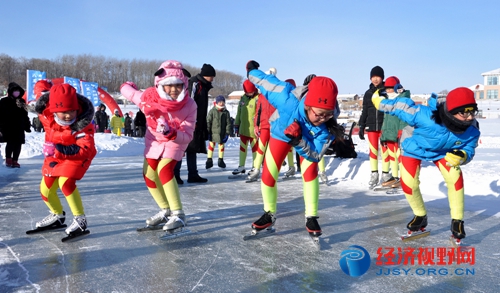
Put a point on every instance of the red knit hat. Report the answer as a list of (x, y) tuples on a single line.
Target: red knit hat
[(62, 98), (291, 81), (459, 99), (42, 86), (391, 81), (322, 93), (248, 87)]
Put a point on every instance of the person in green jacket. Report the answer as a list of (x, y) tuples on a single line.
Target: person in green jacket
[(392, 128), (219, 127), (243, 124)]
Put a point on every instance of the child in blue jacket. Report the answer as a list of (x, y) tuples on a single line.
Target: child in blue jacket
[(304, 119), (445, 133)]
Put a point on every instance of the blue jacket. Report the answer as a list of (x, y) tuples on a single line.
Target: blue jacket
[(430, 141), (289, 106)]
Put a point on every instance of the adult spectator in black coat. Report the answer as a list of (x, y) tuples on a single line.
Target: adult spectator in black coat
[(140, 123), (14, 121), (198, 87), (101, 119), (128, 125)]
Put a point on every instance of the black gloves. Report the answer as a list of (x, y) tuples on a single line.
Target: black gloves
[(251, 65), (361, 132)]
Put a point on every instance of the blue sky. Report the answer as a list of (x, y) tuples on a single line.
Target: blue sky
[(430, 45)]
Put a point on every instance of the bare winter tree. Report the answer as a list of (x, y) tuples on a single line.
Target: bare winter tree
[(106, 71)]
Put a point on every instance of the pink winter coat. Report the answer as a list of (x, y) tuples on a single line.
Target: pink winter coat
[(183, 119)]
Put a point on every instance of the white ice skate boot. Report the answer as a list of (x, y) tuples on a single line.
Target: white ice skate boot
[(160, 218), (239, 170), (373, 179), (323, 177), (176, 220), (387, 179), (52, 220), (78, 225), (253, 174), (290, 172)]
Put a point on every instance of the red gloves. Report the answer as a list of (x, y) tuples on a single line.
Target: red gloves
[(294, 132)]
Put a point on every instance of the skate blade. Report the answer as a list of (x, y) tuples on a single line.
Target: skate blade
[(149, 228), (393, 190), (44, 229), (169, 234), (458, 243), (316, 241), (252, 180), (415, 235), (259, 234), (237, 176), (74, 235)]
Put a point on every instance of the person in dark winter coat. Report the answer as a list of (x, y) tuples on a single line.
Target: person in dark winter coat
[(219, 127), (14, 121), (140, 123), (373, 119), (101, 119), (128, 125), (199, 86), (37, 125)]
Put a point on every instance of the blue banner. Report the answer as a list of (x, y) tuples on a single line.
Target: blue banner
[(90, 90), (32, 76), (74, 82)]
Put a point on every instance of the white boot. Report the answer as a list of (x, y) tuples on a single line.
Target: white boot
[(158, 218), (176, 220), (253, 174), (52, 220), (79, 223), (290, 172), (239, 170)]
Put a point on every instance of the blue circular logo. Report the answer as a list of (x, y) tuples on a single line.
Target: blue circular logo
[(354, 261)]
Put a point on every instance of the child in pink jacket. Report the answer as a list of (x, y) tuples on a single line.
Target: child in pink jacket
[(171, 117)]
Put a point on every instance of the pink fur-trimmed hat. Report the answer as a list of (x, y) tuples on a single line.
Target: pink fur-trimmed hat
[(170, 72)]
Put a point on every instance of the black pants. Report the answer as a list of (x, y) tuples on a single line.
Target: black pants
[(191, 165), (12, 150)]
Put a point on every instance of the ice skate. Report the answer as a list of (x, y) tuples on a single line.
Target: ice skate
[(290, 172), (312, 226), (396, 184), (262, 227), (77, 228), (221, 163), (209, 164), (239, 170), (253, 175), (416, 228), (176, 225), (373, 180), (322, 177), (176, 220), (157, 221), (50, 222), (387, 180), (458, 231)]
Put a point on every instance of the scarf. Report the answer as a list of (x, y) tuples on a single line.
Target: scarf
[(154, 107)]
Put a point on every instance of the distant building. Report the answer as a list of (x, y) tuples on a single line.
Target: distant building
[(491, 85), (235, 95)]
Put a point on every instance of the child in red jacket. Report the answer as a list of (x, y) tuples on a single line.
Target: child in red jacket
[(69, 149)]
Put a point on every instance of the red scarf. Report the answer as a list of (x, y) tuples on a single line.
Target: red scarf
[(154, 106)]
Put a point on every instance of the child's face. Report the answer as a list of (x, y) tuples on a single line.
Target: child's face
[(173, 90), (221, 103), (249, 94), (67, 115), (389, 90), (318, 116), (376, 80)]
